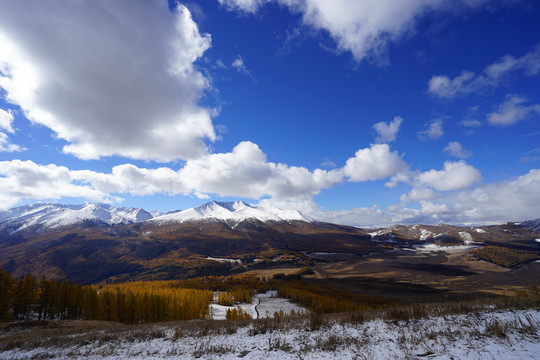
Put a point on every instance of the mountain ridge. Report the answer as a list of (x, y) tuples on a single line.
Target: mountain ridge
[(97, 242), (50, 215)]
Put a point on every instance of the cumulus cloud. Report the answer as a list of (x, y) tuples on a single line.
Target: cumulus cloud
[(455, 149), (387, 132), (245, 172), (109, 78), (514, 200), (364, 28), (433, 130), (467, 82), (455, 176), (28, 180), (512, 110), (374, 163), (418, 194)]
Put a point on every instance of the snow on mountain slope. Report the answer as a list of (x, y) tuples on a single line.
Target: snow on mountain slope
[(533, 225), (56, 215), (237, 212)]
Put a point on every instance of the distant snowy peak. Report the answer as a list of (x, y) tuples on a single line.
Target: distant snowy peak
[(533, 225), (57, 215), (237, 212)]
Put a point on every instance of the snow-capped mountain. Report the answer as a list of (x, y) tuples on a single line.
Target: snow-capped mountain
[(57, 215), (236, 212)]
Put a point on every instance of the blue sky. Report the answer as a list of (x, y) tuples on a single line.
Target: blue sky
[(360, 112)]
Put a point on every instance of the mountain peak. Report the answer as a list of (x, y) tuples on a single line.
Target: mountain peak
[(236, 211)]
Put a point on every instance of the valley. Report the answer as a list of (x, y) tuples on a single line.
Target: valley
[(98, 244)]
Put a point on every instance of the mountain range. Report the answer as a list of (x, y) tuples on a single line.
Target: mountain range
[(97, 242), (50, 216)]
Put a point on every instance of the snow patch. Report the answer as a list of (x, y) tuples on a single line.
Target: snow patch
[(425, 234), (236, 261), (481, 231), (449, 249), (466, 237)]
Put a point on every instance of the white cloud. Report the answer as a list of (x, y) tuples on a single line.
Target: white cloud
[(246, 172), (512, 110), (530, 156), (239, 65), (250, 6), (455, 149), (110, 78), (365, 28), (6, 118), (514, 200), (28, 180), (243, 172), (432, 131), (418, 194), (444, 87), (7, 146), (328, 163), (387, 132), (374, 163), (470, 123), (455, 176), (467, 82)]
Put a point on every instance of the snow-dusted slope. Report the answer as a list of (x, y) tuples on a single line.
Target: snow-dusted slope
[(56, 215), (237, 212), (533, 225)]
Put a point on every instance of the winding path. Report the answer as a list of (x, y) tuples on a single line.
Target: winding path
[(258, 303)]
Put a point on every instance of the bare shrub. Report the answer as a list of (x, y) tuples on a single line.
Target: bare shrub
[(496, 328), (206, 349)]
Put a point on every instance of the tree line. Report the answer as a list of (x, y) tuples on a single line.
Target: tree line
[(130, 303)]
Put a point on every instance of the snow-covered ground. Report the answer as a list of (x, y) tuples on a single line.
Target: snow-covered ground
[(262, 305), (508, 334), (434, 248)]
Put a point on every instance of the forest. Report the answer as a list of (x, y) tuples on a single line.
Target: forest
[(154, 301)]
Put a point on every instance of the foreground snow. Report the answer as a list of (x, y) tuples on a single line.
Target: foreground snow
[(485, 335)]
